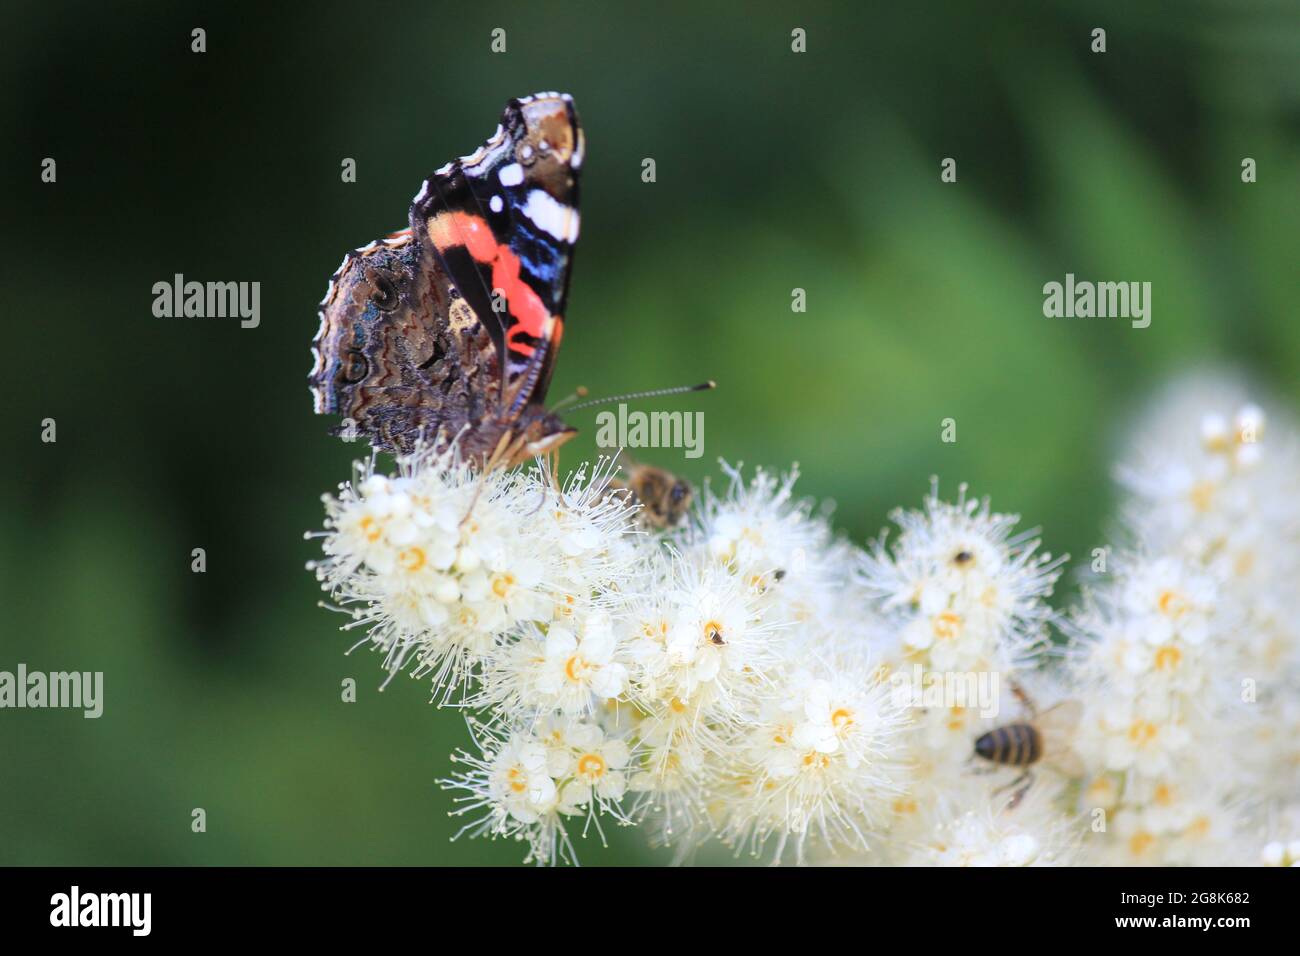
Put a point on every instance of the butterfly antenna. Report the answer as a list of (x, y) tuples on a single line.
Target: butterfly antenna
[(577, 393), (654, 393)]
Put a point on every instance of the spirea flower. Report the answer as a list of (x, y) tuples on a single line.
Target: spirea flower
[(526, 783), (1180, 641), (438, 562), (972, 827), (736, 680), (963, 592), (571, 666), (818, 764)]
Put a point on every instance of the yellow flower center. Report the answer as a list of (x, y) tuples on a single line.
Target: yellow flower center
[(591, 766), (1171, 603), (515, 778), (412, 559), (1101, 790), (575, 668), (947, 625), (502, 583), (1202, 496), (713, 634), (841, 718), (1142, 732), (1139, 843), (371, 528), (957, 719), (1168, 657)]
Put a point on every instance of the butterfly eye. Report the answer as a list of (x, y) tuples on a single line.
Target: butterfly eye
[(679, 492), (385, 294), (355, 367)]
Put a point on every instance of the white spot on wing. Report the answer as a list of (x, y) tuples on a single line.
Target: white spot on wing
[(554, 218), (511, 175)]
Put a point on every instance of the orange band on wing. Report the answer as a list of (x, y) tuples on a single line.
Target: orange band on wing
[(449, 229)]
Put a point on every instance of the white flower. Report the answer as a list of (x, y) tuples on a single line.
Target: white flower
[(510, 785), (704, 635), (964, 593), (569, 667), (821, 762), (971, 826), (527, 780), (595, 769)]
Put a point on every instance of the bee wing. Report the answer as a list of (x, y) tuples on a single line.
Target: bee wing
[(1057, 726)]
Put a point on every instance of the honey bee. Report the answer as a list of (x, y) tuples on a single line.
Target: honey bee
[(664, 497), (1037, 740)]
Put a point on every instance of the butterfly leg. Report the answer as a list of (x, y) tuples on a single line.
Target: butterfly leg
[(480, 483)]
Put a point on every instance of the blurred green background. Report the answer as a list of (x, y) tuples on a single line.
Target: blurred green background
[(775, 170)]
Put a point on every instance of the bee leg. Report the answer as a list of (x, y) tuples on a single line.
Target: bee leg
[(983, 769), (1021, 786), (1022, 695)]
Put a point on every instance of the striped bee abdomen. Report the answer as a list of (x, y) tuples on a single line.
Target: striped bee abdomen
[(1016, 745)]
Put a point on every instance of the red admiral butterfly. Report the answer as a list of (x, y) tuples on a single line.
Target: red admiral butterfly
[(448, 329)]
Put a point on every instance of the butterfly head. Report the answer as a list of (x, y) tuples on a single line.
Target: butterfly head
[(538, 432)]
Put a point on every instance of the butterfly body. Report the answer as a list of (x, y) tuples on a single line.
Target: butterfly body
[(447, 330)]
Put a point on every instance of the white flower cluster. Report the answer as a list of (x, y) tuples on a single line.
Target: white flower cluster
[(1186, 649), (752, 679), (961, 598)]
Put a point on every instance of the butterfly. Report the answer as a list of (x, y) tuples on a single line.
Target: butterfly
[(447, 331)]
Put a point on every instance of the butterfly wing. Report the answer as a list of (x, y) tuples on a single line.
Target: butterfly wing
[(502, 223), (396, 354), (456, 319)]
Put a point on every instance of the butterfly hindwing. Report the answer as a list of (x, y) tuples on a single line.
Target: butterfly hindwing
[(396, 346)]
